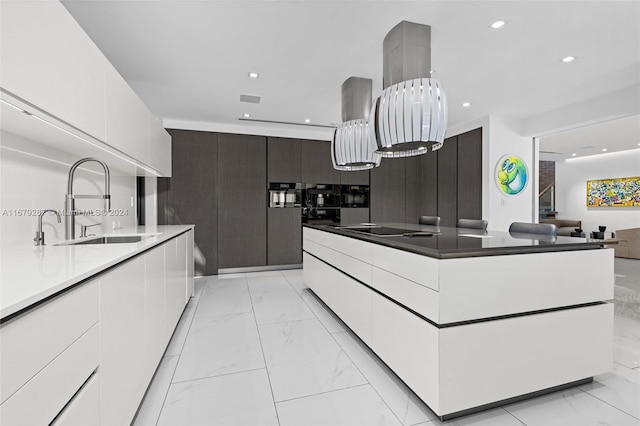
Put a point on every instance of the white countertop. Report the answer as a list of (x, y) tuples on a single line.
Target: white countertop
[(31, 273)]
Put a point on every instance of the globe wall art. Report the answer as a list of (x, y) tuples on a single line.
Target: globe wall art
[(616, 192), (511, 175)]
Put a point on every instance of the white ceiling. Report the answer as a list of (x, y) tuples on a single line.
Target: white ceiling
[(615, 135), (188, 60)]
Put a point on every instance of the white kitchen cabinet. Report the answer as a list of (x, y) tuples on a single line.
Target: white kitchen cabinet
[(190, 264), (160, 147), (84, 408), (127, 118), (47, 353), (51, 67), (122, 342), (176, 281), (50, 62), (155, 331)]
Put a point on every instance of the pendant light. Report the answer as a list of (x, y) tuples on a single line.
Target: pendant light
[(411, 113), (351, 149)]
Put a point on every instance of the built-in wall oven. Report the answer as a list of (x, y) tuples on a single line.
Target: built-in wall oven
[(319, 203), (355, 196), (283, 194)]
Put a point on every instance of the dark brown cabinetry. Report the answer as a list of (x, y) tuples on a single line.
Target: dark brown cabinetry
[(446, 183), (388, 191), (189, 196), (470, 175), (284, 236), (284, 160), (242, 201), (355, 178), (315, 167)]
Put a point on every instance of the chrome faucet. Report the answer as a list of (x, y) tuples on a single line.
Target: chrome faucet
[(39, 238), (70, 199)]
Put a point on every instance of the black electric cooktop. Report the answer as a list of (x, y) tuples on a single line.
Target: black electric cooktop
[(384, 231)]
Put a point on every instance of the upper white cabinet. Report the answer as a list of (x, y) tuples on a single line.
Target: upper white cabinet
[(127, 118), (50, 62), (51, 68), (159, 147)]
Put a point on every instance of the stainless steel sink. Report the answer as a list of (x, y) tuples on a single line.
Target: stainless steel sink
[(111, 239)]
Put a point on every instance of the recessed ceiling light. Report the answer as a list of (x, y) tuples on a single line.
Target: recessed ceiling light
[(568, 59), (307, 120), (639, 144), (497, 24), (604, 149), (245, 115), (254, 75), (466, 104), (573, 155), (432, 71)]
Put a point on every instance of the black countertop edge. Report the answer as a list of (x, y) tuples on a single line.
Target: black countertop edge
[(463, 252)]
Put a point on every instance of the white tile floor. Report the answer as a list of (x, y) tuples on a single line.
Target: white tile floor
[(259, 349)]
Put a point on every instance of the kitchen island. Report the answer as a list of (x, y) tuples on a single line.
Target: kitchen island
[(468, 319)]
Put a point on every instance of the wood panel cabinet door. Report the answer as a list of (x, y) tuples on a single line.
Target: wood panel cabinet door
[(190, 196), (448, 182), (352, 216), (284, 236), (317, 166), (387, 191), (122, 342), (284, 160), (470, 175), (242, 200), (427, 188), (355, 178)]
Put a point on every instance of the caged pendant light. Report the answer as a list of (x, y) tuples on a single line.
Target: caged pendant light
[(411, 114), (351, 149)]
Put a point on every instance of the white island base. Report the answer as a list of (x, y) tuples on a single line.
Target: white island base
[(462, 335)]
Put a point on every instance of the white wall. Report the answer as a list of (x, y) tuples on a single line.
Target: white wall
[(571, 189), (34, 176), (502, 135)]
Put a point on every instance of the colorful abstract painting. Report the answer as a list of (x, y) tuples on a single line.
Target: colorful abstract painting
[(511, 174), (617, 192)]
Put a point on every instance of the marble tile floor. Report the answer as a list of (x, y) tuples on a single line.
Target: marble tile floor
[(260, 349)]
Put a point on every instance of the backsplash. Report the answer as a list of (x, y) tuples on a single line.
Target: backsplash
[(34, 177)]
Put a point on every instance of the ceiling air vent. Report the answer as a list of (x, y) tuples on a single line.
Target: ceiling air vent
[(250, 99)]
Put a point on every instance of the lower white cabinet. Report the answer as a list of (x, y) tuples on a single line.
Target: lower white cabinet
[(156, 333), (84, 408), (141, 302), (87, 356), (122, 341), (47, 354)]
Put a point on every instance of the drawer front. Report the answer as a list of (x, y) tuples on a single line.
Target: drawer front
[(414, 267), (417, 297), (41, 399), (357, 249), (84, 408), (32, 340), (349, 265), (349, 299)]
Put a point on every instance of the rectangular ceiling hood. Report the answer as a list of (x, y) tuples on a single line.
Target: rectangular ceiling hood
[(250, 99)]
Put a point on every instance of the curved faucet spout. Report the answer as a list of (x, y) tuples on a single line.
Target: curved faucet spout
[(39, 238), (70, 211)]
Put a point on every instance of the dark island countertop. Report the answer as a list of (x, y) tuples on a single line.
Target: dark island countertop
[(443, 242)]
